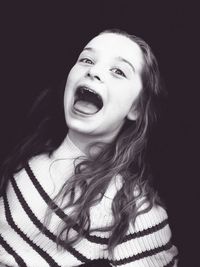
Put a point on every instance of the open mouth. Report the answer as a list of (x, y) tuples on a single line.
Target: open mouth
[(87, 101)]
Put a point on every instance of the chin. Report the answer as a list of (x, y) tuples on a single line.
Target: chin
[(80, 127)]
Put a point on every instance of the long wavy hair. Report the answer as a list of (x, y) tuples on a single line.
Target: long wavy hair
[(125, 156)]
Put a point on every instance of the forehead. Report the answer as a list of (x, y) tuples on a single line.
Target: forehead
[(112, 45)]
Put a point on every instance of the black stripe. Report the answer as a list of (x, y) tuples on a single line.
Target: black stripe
[(171, 263), (11, 222), (42, 228), (91, 238), (143, 254), (9, 249), (147, 231), (96, 263), (46, 197)]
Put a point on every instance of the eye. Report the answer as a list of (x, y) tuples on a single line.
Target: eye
[(86, 60), (119, 72)]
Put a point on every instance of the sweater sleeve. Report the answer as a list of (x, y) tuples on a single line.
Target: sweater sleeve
[(148, 243)]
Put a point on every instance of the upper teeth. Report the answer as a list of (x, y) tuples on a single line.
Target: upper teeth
[(88, 89)]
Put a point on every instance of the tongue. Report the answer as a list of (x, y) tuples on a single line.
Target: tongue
[(86, 107)]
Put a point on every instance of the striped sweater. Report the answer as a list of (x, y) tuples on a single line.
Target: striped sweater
[(25, 240)]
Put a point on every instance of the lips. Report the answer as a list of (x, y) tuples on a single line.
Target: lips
[(87, 101)]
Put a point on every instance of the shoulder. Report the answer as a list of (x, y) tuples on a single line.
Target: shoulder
[(148, 242)]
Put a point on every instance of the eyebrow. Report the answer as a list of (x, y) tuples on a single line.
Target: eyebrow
[(118, 58), (126, 61), (88, 49)]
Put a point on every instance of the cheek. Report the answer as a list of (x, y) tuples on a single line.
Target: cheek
[(71, 80), (134, 90), (72, 75), (127, 94)]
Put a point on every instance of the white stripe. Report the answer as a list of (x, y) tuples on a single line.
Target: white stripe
[(51, 174), (149, 219), (6, 258), (158, 260)]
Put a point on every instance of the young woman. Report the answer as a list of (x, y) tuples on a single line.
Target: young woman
[(77, 194)]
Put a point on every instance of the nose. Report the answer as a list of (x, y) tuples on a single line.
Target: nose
[(95, 73)]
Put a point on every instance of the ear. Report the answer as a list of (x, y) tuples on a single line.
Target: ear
[(133, 114)]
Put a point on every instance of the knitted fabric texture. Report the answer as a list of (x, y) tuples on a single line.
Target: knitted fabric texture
[(25, 240)]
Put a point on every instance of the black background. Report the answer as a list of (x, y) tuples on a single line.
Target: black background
[(41, 40)]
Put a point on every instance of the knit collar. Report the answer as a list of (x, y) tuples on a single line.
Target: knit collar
[(68, 150)]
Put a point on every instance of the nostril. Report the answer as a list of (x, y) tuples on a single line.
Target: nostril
[(97, 77), (94, 76)]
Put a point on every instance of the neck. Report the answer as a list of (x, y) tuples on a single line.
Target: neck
[(84, 142)]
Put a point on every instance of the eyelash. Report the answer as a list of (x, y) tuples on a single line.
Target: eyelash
[(85, 60), (120, 72), (89, 61)]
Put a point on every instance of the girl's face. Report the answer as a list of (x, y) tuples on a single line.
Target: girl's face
[(102, 87)]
